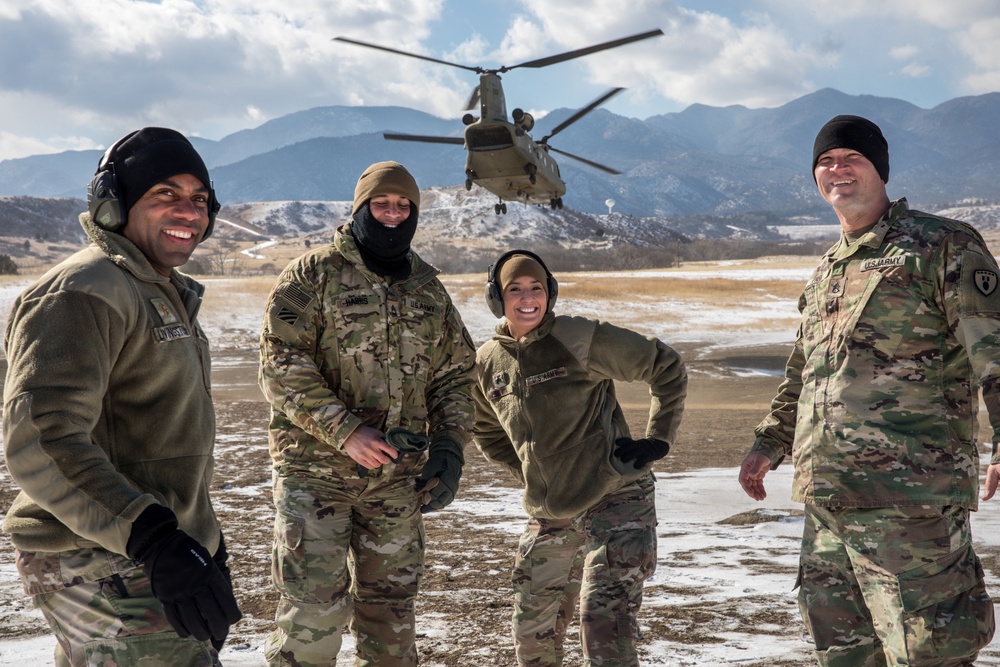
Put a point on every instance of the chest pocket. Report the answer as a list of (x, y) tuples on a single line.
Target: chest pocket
[(416, 331), (843, 312)]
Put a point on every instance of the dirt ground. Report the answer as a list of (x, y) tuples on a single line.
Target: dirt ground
[(468, 589)]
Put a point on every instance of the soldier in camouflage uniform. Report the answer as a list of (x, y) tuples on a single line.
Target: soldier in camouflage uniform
[(365, 361), (546, 411), (109, 427), (900, 329)]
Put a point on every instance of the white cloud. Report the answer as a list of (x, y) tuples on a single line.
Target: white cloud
[(216, 66), (904, 52), (915, 70), (979, 42)]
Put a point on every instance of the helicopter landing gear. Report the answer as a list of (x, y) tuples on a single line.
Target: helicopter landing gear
[(500, 208), (555, 203), (468, 184)]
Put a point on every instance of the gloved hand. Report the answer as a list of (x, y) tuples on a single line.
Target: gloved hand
[(221, 559), (197, 599), (643, 451), (438, 483)]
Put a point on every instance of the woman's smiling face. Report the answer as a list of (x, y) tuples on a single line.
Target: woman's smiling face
[(524, 304)]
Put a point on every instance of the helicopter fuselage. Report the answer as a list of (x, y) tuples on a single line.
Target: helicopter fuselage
[(503, 159), (501, 155)]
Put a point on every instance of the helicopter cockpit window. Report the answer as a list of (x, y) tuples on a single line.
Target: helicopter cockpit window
[(488, 138)]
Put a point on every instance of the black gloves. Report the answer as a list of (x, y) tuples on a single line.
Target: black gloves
[(197, 598), (643, 451), (438, 483), (221, 559)]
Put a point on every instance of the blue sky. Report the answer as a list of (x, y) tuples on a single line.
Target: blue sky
[(77, 74)]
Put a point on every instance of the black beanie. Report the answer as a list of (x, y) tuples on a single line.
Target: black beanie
[(150, 156), (856, 133)]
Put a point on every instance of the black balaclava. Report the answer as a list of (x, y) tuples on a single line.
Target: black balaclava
[(384, 250)]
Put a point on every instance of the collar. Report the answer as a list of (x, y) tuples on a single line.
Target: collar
[(421, 272), (875, 236), (127, 255), (502, 332)]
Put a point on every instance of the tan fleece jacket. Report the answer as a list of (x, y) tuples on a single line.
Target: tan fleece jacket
[(107, 405), (546, 408)]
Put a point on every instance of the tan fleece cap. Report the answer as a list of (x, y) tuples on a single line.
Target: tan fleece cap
[(385, 178), (522, 265)]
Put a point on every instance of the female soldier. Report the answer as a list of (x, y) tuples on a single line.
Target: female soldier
[(546, 410)]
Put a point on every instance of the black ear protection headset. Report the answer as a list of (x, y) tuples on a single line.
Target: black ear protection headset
[(107, 208), (494, 292)]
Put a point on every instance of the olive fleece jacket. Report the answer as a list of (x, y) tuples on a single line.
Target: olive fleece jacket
[(546, 408), (107, 404)]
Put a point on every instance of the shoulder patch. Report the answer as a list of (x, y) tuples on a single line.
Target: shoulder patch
[(294, 295), (468, 339), (979, 282), (289, 303), (985, 280)]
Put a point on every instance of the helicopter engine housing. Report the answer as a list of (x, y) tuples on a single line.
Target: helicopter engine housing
[(523, 120)]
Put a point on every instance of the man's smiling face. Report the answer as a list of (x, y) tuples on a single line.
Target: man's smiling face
[(169, 221), (847, 179)]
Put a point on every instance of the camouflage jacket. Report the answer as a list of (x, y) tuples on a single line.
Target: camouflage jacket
[(340, 347), (899, 331), (107, 402), (546, 408)]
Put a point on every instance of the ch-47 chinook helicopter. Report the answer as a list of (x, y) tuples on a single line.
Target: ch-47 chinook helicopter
[(500, 154)]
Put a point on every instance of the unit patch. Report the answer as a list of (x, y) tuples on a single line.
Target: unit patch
[(501, 386), (986, 281), (882, 262)]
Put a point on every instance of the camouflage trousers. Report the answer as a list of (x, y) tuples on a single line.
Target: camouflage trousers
[(349, 551), (103, 614), (599, 561), (893, 586)]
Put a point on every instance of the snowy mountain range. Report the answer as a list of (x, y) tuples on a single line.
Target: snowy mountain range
[(701, 161)]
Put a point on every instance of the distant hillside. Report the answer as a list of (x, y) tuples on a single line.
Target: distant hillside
[(701, 161), (35, 219), (459, 228)]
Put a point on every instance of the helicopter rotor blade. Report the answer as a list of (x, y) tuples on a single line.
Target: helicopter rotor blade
[(552, 60), (596, 165), (458, 141), (347, 40), (473, 99), (581, 113)]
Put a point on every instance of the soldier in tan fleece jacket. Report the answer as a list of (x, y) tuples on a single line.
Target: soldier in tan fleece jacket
[(546, 410)]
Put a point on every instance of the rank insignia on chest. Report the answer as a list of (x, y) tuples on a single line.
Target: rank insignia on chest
[(986, 281), (163, 310)]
